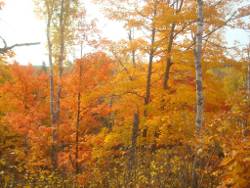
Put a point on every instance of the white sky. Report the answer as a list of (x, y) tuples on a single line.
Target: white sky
[(19, 24)]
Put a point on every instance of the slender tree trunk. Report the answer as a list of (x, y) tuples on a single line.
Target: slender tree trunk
[(170, 44), (248, 87), (111, 116), (149, 74), (150, 63), (131, 38), (132, 154), (169, 57), (78, 117), (81, 52), (248, 72), (244, 121), (60, 62), (51, 79), (132, 158), (169, 62), (147, 98), (248, 79), (198, 68), (199, 88)]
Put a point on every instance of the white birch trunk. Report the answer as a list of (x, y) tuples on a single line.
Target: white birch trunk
[(199, 88), (198, 67)]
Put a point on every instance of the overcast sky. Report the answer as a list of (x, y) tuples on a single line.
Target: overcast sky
[(19, 23)]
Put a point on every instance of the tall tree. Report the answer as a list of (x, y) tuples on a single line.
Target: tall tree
[(199, 87), (59, 16), (61, 57), (198, 66), (151, 53), (170, 42), (78, 119), (248, 71), (50, 9), (132, 155)]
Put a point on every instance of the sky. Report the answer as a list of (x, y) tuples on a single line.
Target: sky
[(20, 24)]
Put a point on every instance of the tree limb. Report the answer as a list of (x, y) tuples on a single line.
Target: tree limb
[(6, 48)]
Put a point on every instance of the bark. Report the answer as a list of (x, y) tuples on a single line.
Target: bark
[(111, 116), (244, 121), (131, 38), (248, 72), (132, 154), (169, 58), (51, 80), (78, 115), (147, 99), (78, 119), (170, 47), (81, 52), (195, 177), (150, 63), (248, 96), (199, 89), (60, 62), (198, 68)]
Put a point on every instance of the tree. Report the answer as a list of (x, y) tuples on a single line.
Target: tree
[(199, 85), (170, 40), (198, 67), (118, 118), (57, 27)]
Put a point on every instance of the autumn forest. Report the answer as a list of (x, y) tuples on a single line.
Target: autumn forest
[(168, 106)]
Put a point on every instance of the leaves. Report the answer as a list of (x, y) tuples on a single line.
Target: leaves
[(97, 142)]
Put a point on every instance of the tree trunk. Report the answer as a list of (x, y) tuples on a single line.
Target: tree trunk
[(132, 158), (248, 72), (147, 98), (245, 119), (51, 79), (150, 63), (198, 68), (111, 116), (131, 38), (248, 79), (132, 154), (60, 62), (78, 118), (169, 62), (199, 88), (169, 57)]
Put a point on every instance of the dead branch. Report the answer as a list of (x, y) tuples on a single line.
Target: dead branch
[(6, 48)]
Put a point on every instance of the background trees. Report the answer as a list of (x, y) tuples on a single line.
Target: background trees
[(129, 116)]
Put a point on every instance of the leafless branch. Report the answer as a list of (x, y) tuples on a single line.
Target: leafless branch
[(6, 48), (231, 18)]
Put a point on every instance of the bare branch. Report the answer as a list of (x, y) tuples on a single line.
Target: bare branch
[(231, 18), (4, 41), (7, 48)]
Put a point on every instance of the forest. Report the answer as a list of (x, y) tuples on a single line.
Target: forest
[(166, 107)]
